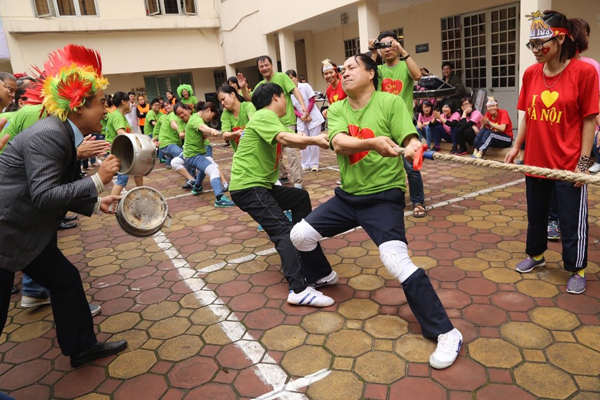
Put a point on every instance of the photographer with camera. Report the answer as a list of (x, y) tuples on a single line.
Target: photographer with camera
[(398, 75)]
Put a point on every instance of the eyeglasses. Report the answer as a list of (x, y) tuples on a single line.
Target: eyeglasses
[(538, 46)]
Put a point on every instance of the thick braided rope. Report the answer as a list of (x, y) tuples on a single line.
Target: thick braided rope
[(526, 169)]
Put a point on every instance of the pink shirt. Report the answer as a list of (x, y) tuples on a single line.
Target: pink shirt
[(595, 64), (423, 119), (476, 117), (454, 117)]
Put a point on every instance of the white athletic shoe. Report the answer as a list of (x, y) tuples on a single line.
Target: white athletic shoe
[(32, 302), (330, 279), (595, 168), (448, 346), (309, 297)]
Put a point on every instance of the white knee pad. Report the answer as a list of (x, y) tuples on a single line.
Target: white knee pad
[(209, 158), (177, 163), (212, 171), (395, 258), (304, 237)]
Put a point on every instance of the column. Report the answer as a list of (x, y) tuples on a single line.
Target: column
[(368, 22), (229, 70), (526, 58), (287, 49), (272, 49), (311, 64)]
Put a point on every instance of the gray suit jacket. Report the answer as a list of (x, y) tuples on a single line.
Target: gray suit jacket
[(37, 188)]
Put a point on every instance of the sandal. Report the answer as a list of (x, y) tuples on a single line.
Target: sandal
[(419, 211)]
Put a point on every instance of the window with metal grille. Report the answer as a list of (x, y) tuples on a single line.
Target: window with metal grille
[(351, 47), (220, 78), (65, 8), (159, 84), (451, 44)]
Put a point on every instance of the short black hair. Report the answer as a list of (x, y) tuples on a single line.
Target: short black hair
[(263, 95), (447, 63), (179, 105), (263, 58), (201, 106), (131, 93), (291, 73), (385, 34), (119, 98), (575, 40), (154, 101), (369, 64)]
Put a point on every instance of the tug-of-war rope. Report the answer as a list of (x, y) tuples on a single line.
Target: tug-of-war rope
[(558, 174)]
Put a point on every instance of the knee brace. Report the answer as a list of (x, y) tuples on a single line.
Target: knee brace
[(395, 258), (177, 163), (209, 158), (212, 171), (304, 237)]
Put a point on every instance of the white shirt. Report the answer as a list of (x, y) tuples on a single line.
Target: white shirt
[(315, 113)]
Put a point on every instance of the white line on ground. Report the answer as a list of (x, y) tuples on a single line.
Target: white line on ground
[(295, 385), (265, 367), (272, 250)]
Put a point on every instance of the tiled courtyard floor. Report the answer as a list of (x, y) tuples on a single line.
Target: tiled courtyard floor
[(202, 305)]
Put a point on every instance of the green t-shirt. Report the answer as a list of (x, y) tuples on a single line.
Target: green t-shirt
[(159, 122), (229, 123), (151, 116), (116, 121), (8, 115), (194, 139), (397, 80), (23, 119), (288, 86), (167, 135), (190, 100), (256, 161), (368, 172)]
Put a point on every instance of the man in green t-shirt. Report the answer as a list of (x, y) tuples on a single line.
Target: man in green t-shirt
[(397, 76), (265, 67), (254, 173), (365, 130)]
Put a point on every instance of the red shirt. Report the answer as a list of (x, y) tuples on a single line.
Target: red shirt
[(502, 117), (336, 94), (554, 113)]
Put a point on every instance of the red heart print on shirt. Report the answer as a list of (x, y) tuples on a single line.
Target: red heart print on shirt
[(364, 133), (391, 86)]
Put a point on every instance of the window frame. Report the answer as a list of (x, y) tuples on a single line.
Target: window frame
[(53, 10), (157, 7), (181, 8), (349, 45)]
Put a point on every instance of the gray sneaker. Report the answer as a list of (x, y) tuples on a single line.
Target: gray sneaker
[(528, 264), (330, 279), (576, 284)]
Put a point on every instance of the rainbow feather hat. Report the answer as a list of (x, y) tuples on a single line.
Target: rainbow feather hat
[(70, 75)]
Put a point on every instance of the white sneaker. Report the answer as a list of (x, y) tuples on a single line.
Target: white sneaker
[(448, 346), (32, 302), (595, 168), (309, 297), (330, 279)]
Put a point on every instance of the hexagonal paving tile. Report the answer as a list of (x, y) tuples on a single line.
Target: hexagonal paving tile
[(544, 380), (349, 343), (526, 334), (554, 318), (485, 315), (535, 288), (415, 348), (465, 374), (161, 310), (168, 328), (284, 337), (210, 314), (133, 363), (495, 353), (322, 322), (180, 348), (358, 308), (119, 322), (366, 282), (193, 372), (589, 336), (305, 360), (574, 358), (337, 386), (386, 327), (380, 367)]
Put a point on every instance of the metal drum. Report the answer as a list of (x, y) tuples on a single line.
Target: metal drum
[(142, 211), (136, 152)]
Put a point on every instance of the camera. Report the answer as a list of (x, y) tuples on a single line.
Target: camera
[(382, 45)]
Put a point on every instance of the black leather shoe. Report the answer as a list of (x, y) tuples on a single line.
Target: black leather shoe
[(67, 225), (98, 350), (70, 218)]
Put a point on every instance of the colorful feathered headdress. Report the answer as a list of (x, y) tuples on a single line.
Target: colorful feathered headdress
[(183, 87), (70, 75)]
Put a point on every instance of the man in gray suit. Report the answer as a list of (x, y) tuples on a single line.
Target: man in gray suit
[(38, 185)]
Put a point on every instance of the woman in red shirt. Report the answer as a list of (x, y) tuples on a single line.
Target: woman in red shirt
[(496, 131), (559, 96)]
